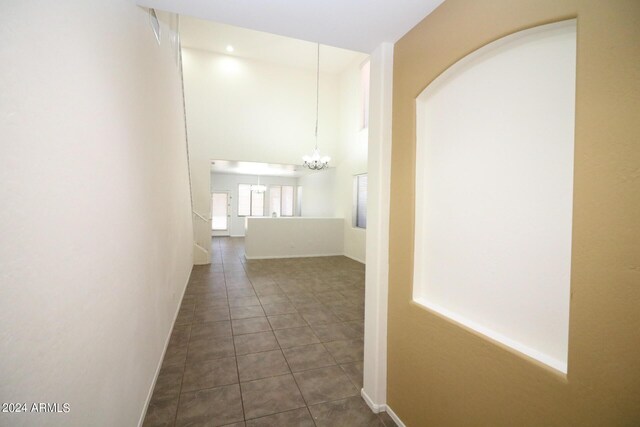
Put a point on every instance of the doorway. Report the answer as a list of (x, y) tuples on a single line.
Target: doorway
[(220, 213)]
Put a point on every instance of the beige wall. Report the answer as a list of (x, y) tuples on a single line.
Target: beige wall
[(440, 374), (95, 223)]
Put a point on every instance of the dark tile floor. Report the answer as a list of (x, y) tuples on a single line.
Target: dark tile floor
[(266, 343)]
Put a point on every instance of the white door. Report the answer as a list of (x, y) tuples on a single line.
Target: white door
[(220, 213)]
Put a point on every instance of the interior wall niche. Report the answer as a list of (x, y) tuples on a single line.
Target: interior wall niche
[(494, 188)]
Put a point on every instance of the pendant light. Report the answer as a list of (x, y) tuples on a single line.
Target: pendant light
[(316, 161), (258, 188)]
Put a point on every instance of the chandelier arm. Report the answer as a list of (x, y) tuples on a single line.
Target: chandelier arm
[(317, 93)]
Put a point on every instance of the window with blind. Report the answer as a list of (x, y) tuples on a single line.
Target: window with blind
[(360, 201), (281, 199), (275, 195), (250, 203), (287, 200)]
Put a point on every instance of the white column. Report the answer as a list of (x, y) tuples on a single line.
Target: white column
[(374, 389)]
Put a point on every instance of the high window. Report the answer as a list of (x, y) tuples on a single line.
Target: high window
[(365, 72), (360, 201), (281, 200), (250, 202)]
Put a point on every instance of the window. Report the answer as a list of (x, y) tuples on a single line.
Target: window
[(287, 200), (275, 195), (281, 200), (219, 208), (360, 201), (365, 72), (250, 203), (257, 203)]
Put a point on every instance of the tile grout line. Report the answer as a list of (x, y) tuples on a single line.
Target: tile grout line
[(184, 367), (345, 320), (235, 354), (282, 351)]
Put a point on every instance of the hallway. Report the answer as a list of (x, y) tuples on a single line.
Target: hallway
[(270, 342)]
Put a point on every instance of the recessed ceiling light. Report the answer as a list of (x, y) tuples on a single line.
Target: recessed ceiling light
[(230, 48)]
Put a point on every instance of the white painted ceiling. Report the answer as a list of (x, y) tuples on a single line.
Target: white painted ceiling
[(358, 25), (259, 169), (257, 45)]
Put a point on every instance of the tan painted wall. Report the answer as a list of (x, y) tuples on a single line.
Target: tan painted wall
[(443, 375)]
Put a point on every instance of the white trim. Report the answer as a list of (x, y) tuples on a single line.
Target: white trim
[(519, 348), (166, 344), (395, 418), (374, 407), (355, 258), (381, 408), (290, 256), (377, 233)]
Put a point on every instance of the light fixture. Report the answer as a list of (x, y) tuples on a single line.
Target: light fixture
[(230, 48), (316, 161), (257, 188)]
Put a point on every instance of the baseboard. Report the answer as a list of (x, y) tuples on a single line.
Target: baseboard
[(166, 344), (355, 259), (290, 256), (395, 418), (302, 256), (376, 408)]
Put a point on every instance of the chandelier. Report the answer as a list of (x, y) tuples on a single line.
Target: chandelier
[(316, 161), (258, 188)]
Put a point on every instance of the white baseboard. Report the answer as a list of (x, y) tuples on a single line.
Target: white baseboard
[(377, 408), (290, 256), (166, 344), (395, 418), (303, 256), (355, 259)]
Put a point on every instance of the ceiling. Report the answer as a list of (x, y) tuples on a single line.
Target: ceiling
[(257, 45), (255, 168), (359, 25)]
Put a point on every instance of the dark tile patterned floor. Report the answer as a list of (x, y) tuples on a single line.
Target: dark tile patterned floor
[(266, 343)]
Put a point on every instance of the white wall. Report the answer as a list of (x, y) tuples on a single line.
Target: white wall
[(319, 194), (494, 191), (374, 388), (95, 221), (240, 109), (293, 237), (352, 159), (230, 182)]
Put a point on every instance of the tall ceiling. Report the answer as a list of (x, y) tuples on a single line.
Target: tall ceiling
[(257, 45), (258, 169), (358, 25)]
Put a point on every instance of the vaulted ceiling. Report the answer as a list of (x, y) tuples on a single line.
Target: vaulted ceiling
[(358, 25)]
